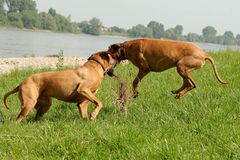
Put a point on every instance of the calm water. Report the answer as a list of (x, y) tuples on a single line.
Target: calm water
[(19, 43)]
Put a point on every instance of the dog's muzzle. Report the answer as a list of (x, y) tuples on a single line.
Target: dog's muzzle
[(111, 72)]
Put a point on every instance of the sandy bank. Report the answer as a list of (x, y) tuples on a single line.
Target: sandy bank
[(9, 64)]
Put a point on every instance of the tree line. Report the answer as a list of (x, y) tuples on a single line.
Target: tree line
[(157, 30), (24, 14)]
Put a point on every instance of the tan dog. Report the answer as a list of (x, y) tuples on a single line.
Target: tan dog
[(158, 55), (76, 86)]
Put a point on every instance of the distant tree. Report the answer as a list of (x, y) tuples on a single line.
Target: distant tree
[(193, 37), (30, 19), (178, 32), (3, 20), (3, 16), (23, 13), (238, 39), (170, 33), (2, 9), (178, 29), (69, 17), (175, 33), (140, 31), (27, 5), (83, 26), (91, 27), (220, 39), (209, 34), (117, 29), (64, 25), (157, 29), (95, 26), (15, 19), (13, 5), (73, 28), (47, 21), (52, 12), (229, 38)]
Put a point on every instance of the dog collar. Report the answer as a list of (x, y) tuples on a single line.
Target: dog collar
[(96, 60)]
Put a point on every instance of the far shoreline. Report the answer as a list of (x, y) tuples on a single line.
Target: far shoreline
[(13, 49), (105, 34), (50, 31)]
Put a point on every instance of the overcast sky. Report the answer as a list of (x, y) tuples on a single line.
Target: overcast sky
[(193, 15)]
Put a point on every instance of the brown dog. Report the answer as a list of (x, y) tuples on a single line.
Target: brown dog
[(76, 86), (158, 55)]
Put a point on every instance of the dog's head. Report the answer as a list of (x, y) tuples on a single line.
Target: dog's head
[(107, 61), (117, 50)]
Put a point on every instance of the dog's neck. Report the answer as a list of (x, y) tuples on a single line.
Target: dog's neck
[(96, 60)]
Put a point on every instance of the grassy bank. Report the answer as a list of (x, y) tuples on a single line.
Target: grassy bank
[(205, 124)]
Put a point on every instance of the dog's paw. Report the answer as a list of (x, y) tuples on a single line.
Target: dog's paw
[(135, 95), (92, 117), (178, 96), (86, 119), (174, 92)]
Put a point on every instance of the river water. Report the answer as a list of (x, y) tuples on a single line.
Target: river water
[(20, 43)]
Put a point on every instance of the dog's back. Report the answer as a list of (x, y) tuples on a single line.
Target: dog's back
[(157, 47)]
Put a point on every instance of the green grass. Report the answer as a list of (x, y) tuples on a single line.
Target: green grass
[(205, 124)]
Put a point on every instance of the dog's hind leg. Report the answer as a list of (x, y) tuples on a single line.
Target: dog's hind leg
[(42, 106), (28, 97), (184, 85), (188, 84), (140, 75), (184, 67), (82, 107)]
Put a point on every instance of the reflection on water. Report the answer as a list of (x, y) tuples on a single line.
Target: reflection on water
[(19, 43)]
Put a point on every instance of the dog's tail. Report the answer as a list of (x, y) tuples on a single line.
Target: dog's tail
[(209, 58), (8, 94)]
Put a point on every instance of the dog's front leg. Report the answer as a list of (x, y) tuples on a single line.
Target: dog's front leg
[(140, 76), (83, 109), (91, 97)]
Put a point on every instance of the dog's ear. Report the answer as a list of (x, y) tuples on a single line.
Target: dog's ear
[(114, 47), (104, 55), (90, 57)]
